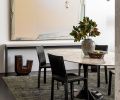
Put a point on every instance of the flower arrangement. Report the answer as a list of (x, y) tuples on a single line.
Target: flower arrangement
[(86, 28)]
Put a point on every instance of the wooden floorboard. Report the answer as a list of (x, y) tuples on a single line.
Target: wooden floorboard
[(5, 93)]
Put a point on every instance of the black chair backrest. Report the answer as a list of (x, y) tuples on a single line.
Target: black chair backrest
[(101, 47), (57, 65), (41, 55)]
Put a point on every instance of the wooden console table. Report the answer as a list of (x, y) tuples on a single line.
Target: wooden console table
[(32, 45)]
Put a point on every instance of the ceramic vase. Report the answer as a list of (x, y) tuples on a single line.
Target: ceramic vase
[(88, 45)]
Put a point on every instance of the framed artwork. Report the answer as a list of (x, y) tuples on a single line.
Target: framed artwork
[(44, 19)]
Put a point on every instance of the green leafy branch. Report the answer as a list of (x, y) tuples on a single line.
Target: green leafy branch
[(86, 28)]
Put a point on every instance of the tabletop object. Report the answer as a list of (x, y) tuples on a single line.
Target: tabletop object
[(96, 54)]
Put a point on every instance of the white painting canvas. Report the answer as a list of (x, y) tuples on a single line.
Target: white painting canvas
[(45, 19)]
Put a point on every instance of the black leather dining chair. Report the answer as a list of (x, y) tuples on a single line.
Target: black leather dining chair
[(59, 74), (42, 63), (103, 48)]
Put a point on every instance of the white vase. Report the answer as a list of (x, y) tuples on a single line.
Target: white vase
[(88, 45)]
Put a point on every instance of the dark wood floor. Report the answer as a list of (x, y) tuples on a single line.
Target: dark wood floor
[(5, 93)]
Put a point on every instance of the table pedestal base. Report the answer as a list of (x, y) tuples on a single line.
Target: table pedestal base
[(85, 94)]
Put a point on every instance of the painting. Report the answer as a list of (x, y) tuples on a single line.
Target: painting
[(44, 19)]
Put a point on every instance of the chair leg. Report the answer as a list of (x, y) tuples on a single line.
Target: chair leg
[(71, 90), (106, 76), (58, 85), (39, 75), (44, 75), (66, 90), (98, 76), (110, 81), (79, 71), (52, 89)]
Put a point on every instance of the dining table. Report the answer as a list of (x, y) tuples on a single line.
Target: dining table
[(76, 55)]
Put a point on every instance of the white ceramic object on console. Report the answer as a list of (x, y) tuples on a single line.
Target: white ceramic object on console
[(88, 45)]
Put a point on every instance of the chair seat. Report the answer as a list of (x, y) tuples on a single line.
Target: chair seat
[(71, 78), (113, 71), (47, 65)]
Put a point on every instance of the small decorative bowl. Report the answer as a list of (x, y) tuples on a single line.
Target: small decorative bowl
[(96, 54)]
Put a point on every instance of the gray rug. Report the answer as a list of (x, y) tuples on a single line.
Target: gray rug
[(25, 87)]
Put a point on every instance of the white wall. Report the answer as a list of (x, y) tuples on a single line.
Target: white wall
[(103, 12), (107, 38), (4, 19), (4, 26)]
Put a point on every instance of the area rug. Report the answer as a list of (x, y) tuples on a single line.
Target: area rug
[(25, 87)]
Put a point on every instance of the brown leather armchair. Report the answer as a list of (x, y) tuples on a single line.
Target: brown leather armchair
[(19, 68)]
